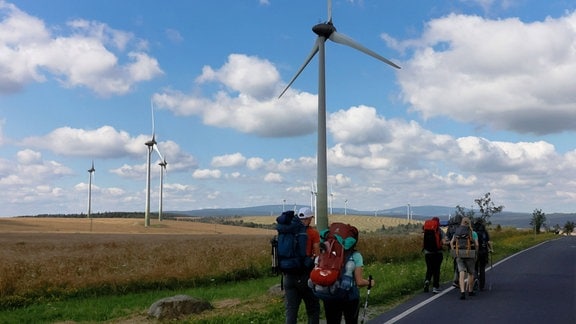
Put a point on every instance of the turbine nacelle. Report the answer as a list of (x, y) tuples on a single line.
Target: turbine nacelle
[(324, 29)]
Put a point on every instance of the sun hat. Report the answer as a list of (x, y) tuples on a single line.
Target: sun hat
[(305, 213)]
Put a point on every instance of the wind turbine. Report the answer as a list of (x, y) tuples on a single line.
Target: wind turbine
[(326, 30), (151, 144), (162, 165), (90, 171)]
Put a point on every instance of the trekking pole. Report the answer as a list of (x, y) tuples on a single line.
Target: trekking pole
[(367, 295)]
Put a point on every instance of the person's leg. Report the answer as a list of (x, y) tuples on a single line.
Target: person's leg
[(291, 298), (470, 263), (456, 273), (310, 300), (428, 257), (481, 270), (351, 311), (437, 264), (333, 311), (461, 277)]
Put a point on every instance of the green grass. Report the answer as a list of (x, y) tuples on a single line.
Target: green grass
[(249, 301)]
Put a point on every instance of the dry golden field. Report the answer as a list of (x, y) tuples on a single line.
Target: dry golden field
[(363, 223), (117, 225)]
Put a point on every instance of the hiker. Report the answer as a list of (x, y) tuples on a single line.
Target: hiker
[(349, 306), (465, 244), (296, 284), (484, 250), (452, 225), (432, 248)]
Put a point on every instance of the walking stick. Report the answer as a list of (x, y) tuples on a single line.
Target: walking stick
[(367, 295)]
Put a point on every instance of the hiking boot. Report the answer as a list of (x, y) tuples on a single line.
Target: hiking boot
[(426, 286), (462, 296), (435, 290)]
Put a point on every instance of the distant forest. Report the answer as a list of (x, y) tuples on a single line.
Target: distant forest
[(112, 215)]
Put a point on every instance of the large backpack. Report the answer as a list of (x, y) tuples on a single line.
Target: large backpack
[(333, 276), (483, 238), (465, 245), (289, 246), (432, 240)]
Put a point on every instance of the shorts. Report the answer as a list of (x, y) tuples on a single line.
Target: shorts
[(466, 264)]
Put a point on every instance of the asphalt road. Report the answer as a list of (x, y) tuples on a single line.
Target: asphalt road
[(537, 285)]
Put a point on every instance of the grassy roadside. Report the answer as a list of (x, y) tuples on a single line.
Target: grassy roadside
[(397, 278)]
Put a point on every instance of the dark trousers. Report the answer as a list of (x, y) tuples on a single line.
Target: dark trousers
[(336, 308), (296, 290), (481, 263), (433, 264)]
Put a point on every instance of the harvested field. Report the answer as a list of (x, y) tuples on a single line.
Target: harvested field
[(66, 254), (117, 225), (363, 223)]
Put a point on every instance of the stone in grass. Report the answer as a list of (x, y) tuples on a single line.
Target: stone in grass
[(177, 306)]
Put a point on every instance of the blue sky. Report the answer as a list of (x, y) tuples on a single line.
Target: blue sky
[(484, 102)]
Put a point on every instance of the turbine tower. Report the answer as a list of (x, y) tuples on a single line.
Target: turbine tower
[(162, 171), (90, 171), (151, 144), (326, 30)]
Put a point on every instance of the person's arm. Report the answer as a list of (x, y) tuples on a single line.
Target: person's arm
[(358, 277)]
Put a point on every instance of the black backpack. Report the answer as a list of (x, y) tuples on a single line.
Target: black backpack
[(289, 246), (483, 238)]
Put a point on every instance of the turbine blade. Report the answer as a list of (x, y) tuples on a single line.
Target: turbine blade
[(158, 151), (345, 40), (329, 11), (308, 59), (152, 109)]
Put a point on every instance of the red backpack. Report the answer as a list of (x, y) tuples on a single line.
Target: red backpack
[(432, 240), (337, 246)]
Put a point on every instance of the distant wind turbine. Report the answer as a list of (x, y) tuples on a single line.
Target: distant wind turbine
[(151, 144), (326, 30), (90, 171), (162, 165)]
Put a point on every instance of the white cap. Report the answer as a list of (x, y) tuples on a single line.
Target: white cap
[(305, 212)]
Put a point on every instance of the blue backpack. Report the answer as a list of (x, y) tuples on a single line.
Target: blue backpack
[(289, 246)]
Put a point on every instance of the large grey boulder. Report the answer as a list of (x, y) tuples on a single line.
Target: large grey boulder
[(177, 306)]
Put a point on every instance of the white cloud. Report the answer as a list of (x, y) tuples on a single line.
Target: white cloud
[(84, 58), (228, 160), (273, 177), (249, 102), (206, 174), (504, 73)]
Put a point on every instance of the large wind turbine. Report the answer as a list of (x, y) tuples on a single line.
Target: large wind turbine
[(151, 144), (326, 30), (162, 165), (91, 170)]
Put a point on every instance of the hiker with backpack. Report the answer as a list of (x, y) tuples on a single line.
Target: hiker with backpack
[(298, 244), (453, 223), (484, 250), (432, 248), (339, 274), (464, 245)]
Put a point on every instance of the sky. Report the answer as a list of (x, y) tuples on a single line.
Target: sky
[(484, 101)]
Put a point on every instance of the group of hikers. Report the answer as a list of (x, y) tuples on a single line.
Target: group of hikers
[(319, 266), (469, 245), (326, 267)]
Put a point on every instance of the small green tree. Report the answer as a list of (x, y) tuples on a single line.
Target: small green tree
[(538, 219), (487, 207), (461, 212), (568, 228)]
